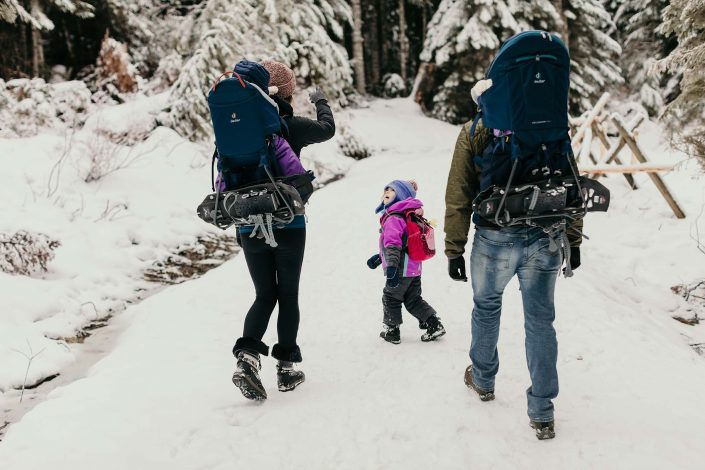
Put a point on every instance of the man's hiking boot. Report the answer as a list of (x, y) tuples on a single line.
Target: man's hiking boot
[(390, 334), (434, 329), (246, 376), (485, 395), (288, 378), (544, 430)]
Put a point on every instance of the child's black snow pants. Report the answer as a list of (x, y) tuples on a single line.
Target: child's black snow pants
[(275, 273), (408, 292)]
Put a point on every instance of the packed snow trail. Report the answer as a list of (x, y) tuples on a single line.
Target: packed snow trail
[(631, 389)]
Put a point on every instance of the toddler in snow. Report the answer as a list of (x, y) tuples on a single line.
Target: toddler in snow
[(403, 274)]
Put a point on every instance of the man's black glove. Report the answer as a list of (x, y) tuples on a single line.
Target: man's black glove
[(392, 277), (456, 269), (317, 95), (574, 257), (374, 261)]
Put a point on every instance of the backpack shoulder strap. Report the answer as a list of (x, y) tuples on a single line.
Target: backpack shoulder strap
[(400, 214), (215, 155)]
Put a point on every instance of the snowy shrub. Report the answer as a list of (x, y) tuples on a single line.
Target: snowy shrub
[(170, 67), (114, 73), (27, 105), (351, 145), (99, 156), (394, 85), (26, 253)]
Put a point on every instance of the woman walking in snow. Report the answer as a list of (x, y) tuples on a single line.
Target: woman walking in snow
[(276, 271), (403, 274)]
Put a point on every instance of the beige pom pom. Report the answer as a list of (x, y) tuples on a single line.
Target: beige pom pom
[(414, 184)]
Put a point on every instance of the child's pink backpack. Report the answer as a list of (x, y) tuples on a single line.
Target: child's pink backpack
[(420, 242)]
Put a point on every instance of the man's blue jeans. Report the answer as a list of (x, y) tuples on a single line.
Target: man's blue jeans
[(497, 255)]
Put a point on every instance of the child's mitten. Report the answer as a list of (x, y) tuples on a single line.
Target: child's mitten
[(374, 261), (392, 277)]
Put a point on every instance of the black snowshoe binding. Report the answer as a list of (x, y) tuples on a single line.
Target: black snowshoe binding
[(288, 378), (390, 334), (485, 395), (542, 203), (276, 201), (434, 329), (246, 376), (544, 430)]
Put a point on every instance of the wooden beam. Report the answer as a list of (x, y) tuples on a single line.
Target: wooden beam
[(655, 177), (587, 122), (637, 168), (585, 148), (597, 130)]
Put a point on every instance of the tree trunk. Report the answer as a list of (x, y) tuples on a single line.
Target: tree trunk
[(424, 21), (37, 46), (372, 41), (358, 50), (562, 26), (382, 36), (403, 42)]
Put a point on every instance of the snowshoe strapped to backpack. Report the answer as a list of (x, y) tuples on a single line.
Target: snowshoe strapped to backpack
[(526, 109)]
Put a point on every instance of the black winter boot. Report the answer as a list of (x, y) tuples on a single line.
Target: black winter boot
[(485, 395), (544, 430), (246, 376), (390, 334), (434, 329), (288, 378)]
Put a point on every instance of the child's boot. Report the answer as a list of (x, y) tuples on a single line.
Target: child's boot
[(390, 333), (246, 376), (288, 378), (434, 329)]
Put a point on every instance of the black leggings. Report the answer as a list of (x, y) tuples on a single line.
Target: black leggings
[(275, 273)]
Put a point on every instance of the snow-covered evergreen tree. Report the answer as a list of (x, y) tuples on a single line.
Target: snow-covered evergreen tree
[(463, 37), (219, 44), (686, 21), (461, 40), (636, 22), (34, 12), (223, 32), (304, 37), (137, 23)]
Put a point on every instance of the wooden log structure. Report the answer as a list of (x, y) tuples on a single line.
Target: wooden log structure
[(630, 141)]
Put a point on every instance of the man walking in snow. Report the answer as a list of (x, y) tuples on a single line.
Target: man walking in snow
[(498, 253)]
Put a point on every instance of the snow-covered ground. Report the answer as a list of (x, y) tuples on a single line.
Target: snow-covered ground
[(631, 387), (115, 209)]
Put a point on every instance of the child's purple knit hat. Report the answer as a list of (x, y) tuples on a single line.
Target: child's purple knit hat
[(403, 190)]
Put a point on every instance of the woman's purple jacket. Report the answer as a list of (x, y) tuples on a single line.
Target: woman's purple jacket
[(289, 163), (393, 234)]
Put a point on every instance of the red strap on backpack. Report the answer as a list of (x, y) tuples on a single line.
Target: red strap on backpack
[(232, 73)]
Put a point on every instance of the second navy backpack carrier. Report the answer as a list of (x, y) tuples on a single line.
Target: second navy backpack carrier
[(528, 172)]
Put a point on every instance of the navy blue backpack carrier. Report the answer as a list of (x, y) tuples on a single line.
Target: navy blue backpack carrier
[(528, 172), (250, 190)]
